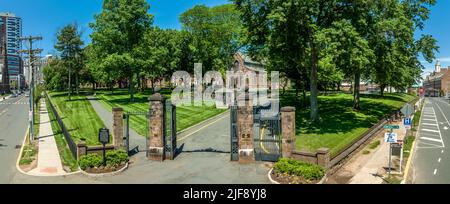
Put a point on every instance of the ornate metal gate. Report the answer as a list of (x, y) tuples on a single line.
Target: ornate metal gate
[(234, 134), (267, 134), (136, 149), (170, 130)]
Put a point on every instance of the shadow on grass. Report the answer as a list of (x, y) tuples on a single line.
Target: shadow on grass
[(337, 114)]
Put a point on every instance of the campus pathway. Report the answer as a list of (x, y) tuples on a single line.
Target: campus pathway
[(49, 161)]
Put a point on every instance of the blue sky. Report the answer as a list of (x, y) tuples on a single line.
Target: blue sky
[(44, 17)]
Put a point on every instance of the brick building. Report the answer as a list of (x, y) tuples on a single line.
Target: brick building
[(437, 84)]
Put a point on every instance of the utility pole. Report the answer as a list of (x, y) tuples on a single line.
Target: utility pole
[(31, 57)]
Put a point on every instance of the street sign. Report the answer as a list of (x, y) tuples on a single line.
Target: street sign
[(407, 110), (396, 149), (395, 127), (390, 137), (407, 122)]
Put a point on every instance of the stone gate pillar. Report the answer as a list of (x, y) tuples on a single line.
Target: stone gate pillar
[(118, 128), (245, 129), (156, 135), (288, 131)]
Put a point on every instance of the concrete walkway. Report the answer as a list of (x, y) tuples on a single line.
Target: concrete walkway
[(373, 171), (49, 161)]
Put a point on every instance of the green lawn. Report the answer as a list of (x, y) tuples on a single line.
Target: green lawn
[(187, 116), (67, 158), (78, 116), (340, 125)]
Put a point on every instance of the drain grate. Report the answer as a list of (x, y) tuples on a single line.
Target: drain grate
[(18, 146)]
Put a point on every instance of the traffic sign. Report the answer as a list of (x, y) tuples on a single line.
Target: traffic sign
[(407, 110), (390, 137), (396, 127)]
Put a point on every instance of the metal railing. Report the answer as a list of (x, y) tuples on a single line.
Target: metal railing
[(72, 145)]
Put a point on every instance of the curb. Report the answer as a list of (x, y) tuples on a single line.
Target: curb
[(322, 181), (35, 175), (115, 173), (413, 148)]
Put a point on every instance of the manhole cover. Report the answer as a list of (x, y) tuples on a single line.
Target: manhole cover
[(18, 146)]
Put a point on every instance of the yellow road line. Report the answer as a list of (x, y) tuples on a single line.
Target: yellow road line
[(261, 143), (207, 125)]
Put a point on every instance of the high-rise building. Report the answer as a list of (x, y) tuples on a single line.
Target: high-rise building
[(10, 58)]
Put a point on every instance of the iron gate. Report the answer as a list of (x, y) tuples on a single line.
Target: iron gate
[(170, 130), (267, 134), (137, 148), (234, 134)]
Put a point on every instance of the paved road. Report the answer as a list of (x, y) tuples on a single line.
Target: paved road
[(431, 163), (13, 126)]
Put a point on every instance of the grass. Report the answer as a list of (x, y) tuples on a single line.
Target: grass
[(366, 152), (374, 144), (37, 120), (187, 116), (67, 158), (340, 124), (28, 154), (78, 116)]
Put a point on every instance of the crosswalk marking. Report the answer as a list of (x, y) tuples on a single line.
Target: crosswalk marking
[(17, 103), (429, 124), (428, 130), (430, 139)]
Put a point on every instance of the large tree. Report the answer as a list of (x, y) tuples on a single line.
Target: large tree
[(285, 31), (214, 34), (70, 46), (117, 32)]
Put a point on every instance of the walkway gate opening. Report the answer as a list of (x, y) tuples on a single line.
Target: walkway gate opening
[(169, 129), (137, 147)]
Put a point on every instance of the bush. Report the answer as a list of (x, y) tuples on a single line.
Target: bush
[(90, 161), (308, 171), (116, 158)]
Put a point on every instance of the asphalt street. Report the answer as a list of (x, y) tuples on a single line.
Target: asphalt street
[(13, 126), (431, 162)]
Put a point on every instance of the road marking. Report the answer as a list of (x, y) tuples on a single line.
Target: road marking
[(207, 125), (429, 124), (428, 130), (435, 171), (443, 114), (439, 160), (430, 139), (442, 152), (428, 119), (445, 128)]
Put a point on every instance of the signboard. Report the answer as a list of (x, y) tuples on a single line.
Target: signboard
[(407, 122), (390, 137), (396, 149), (407, 110), (103, 136), (396, 127)]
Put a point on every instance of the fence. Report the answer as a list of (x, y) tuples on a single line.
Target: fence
[(72, 145)]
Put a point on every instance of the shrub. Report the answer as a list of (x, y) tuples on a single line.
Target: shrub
[(374, 144), (308, 171), (90, 161), (116, 158)]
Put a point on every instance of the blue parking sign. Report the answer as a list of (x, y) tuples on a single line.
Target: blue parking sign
[(407, 121)]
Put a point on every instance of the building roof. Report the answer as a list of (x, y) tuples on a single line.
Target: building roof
[(251, 63)]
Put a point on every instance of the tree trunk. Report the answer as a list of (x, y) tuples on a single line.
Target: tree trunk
[(356, 96), (313, 86), (153, 85), (77, 83), (130, 88), (382, 87)]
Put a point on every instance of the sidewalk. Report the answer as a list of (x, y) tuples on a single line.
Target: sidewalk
[(373, 171), (49, 161)]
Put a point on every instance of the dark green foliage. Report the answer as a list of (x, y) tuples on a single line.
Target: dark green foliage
[(310, 172), (116, 158), (90, 161)]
